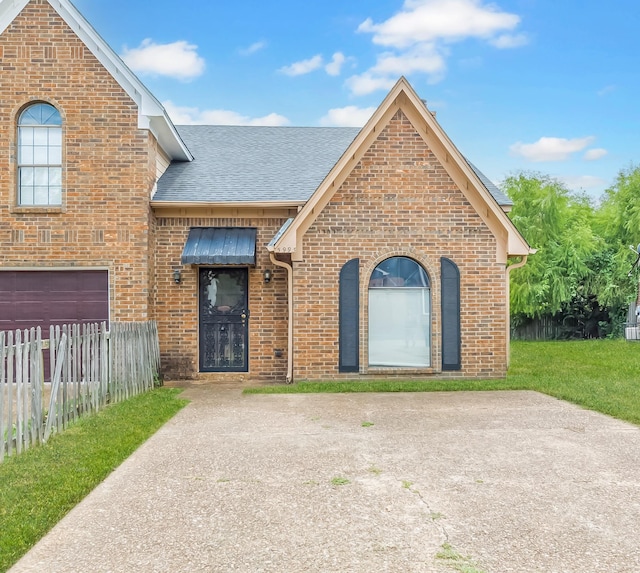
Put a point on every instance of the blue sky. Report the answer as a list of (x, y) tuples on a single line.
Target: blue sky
[(540, 85)]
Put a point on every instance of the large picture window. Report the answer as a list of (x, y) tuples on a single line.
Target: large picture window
[(40, 156), (399, 315)]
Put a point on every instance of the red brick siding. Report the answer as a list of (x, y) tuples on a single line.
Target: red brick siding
[(399, 201), (176, 306)]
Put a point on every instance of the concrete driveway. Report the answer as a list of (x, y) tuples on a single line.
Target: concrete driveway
[(495, 481)]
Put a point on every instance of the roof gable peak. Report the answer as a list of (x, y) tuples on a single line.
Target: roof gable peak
[(403, 97)]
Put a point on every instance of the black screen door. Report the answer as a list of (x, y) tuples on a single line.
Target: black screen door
[(224, 320)]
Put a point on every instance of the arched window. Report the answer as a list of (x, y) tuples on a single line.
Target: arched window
[(399, 315), (40, 156)]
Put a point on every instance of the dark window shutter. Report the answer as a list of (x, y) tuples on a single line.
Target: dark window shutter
[(349, 338), (450, 296)]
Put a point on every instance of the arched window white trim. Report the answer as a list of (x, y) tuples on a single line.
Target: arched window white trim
[(40, 156), (399, 315)]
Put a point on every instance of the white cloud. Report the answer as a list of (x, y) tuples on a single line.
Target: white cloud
[(418, 36), (432, 20), (181, 115), (303, 67), (595, 154), (178, 60), (506, 41), (607, 90), (389, 66), (334, 67), (550, 148), (584, 182), (253, 48), (424, 58), (367, 83), (350, 116)]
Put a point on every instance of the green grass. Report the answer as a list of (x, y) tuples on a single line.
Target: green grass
[(601, 375), (40, 486), (454, 560)]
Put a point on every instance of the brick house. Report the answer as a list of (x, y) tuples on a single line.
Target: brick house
[(266, 253)]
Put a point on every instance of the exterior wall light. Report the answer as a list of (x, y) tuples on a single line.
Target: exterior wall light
[(177, 276), (267, 276)]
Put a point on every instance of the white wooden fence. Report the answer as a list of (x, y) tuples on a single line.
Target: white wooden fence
[(89, 367)]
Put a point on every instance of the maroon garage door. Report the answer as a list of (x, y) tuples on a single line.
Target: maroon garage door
[(42, 298)]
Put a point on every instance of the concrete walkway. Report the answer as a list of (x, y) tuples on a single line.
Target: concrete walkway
[(511, 481)]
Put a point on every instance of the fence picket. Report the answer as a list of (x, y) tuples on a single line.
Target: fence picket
[(37, 381), (26, 345), (19, 392), (94, 363), (65, 376), (10, 368), (56, 381), (104, 371), (34, 365), (74, 359), (3, 391), (83, 378)]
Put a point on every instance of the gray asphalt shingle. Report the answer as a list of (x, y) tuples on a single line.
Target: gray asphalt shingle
[(260, 164), (498, 195)]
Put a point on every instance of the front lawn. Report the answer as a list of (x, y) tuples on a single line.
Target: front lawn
[(602, 375)]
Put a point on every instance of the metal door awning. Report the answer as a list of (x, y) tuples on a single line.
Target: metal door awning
[(220, 246)]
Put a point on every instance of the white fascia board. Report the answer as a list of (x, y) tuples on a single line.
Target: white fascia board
[(168, 137), (9, 9)]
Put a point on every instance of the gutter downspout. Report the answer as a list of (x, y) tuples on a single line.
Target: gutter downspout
[(508, 275), (289, 268)]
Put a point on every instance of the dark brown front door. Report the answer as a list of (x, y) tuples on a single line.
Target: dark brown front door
[(224, 320)]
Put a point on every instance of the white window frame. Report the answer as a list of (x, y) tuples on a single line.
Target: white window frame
[(39, 180), (405, 341)]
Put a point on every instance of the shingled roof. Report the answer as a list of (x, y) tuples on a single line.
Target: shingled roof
[(237, 164), (253, 164)]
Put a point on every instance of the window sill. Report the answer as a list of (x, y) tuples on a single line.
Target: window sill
[(403, 371), (46, 209)]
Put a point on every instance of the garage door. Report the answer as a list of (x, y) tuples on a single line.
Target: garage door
[(43, 298)]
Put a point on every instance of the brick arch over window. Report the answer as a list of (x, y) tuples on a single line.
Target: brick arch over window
[(431, 266), (39, 172)]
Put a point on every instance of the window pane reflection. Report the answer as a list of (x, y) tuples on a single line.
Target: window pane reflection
[(399, 315)]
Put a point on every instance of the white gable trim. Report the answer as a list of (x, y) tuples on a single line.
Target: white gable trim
[(151, 113)]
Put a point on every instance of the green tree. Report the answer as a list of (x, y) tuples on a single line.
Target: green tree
[(560, 225), (580, 275), (617, 221)]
